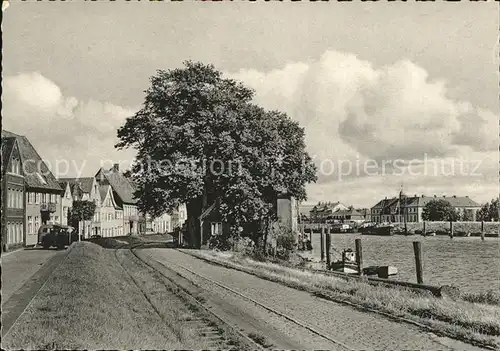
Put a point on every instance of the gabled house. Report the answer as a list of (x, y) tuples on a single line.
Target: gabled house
[(66, 202), (123, 194), (349, 215), (323, 212), (86, 189), (111, 213), (42, 192), (212, 224), (13, 228)]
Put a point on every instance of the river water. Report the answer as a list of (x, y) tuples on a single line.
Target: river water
[(469, 263)]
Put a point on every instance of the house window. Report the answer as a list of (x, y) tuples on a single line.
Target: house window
[(56, 218), (30, 225), (216, 228), (37, 224), (20, 238), (37, 198)]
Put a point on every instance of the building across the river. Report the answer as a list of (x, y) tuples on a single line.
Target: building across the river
[(395, 209)]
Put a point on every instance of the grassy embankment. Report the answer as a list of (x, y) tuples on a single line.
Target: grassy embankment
[(473, 318), (89, 302)]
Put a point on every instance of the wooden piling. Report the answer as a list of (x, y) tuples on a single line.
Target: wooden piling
[(417, 250), (322, 244), (359, 256), (328, 242)]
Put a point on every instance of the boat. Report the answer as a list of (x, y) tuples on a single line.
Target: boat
[(347, 264), (429, 234), (377, 229)]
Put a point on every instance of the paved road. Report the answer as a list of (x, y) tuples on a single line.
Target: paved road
[(359, 330), (23, 273), (19, 266)]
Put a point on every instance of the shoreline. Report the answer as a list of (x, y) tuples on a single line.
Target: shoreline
[(464, 318)]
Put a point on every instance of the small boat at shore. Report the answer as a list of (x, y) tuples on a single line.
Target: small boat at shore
[(429, 234), (347, 264)]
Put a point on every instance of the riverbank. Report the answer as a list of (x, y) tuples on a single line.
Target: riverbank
[(89, 302), (471, 318)]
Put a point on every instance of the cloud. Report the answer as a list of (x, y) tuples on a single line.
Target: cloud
[(354, 112), (63, 129)]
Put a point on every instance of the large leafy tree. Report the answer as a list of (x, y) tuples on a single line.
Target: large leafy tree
[(489, 211), (439, 210), (199, 138)]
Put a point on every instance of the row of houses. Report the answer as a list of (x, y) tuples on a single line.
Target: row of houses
[(395, 209), (32, 196)]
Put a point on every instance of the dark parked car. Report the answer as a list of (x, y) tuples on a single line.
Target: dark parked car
[(57, 235)]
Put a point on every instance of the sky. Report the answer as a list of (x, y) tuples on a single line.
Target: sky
[(390, 94)]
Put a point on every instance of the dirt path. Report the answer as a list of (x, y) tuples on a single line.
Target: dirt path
[(355, 329)]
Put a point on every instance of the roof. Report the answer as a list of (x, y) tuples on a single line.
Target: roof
[(84, 182), (7, 147), (350, 212), (210, 210), (421, 201), (305, 209), (103, 190), (121, 185), (36, 172), (64, 184), (455, 201)]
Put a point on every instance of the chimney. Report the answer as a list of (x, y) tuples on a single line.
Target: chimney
[(116, 167)]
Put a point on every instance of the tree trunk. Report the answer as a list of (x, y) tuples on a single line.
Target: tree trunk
[(194, 209), (266, 232)]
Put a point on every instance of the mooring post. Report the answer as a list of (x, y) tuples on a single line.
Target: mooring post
[(482, 230), (359, 256), (322, 245), (328, 242), (417, 250)]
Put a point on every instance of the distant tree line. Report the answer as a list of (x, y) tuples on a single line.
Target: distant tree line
[(442, 210)]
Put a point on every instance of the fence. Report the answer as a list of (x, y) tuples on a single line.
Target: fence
[(477, 228), (474, 228)]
